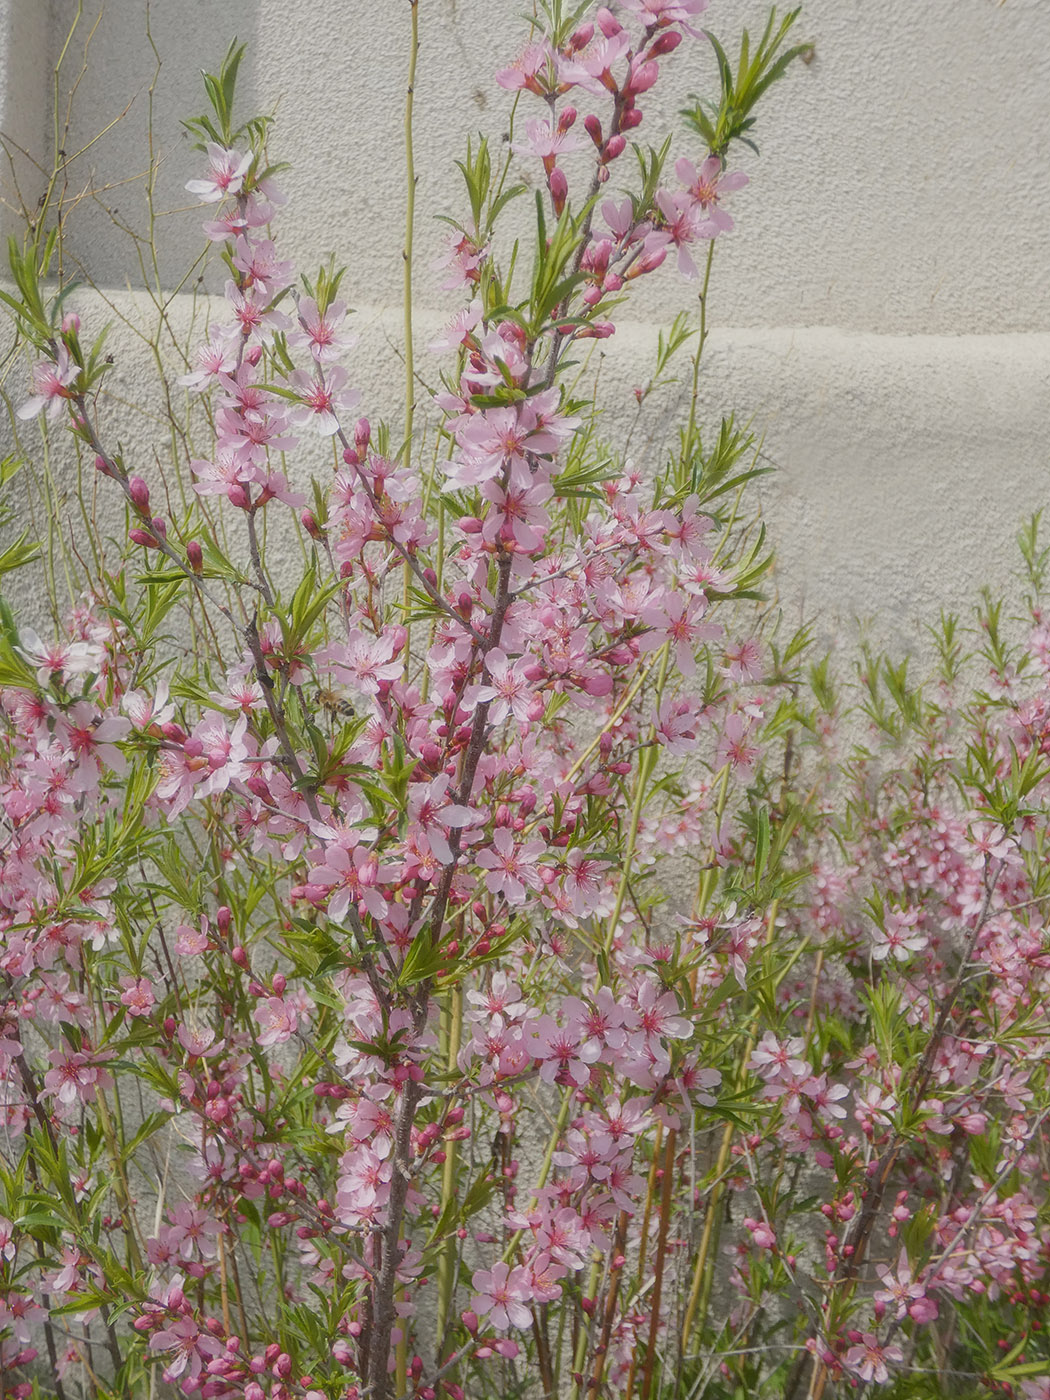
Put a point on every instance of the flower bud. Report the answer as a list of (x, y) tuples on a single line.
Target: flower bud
[(253, 355), (559, 188), (567, 118), (310, 525), (142, 537), (666, 42), (608, 23), (593, 128), (138, 494), (195, 557), (237, 495), (70, 323)]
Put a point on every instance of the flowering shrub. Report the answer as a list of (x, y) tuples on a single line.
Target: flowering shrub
[(489, 961)]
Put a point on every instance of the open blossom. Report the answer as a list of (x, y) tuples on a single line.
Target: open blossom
[(226, 172), (661, 13), (868, 1360), (502, 1294), (511, 867), (51, 381), (707, 186), (137, 995), (323, 400), (321, 333), (508, 691), (899, 939)]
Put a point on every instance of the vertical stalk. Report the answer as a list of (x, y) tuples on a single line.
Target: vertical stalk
[(661, 1255), (410, 214), (446, 1270), (646, 764), (406, 256)]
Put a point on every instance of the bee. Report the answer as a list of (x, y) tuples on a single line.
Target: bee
[(334, 705)]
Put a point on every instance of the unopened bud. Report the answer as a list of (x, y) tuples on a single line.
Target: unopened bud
[(559, 188), (195, 557), (138, 494)]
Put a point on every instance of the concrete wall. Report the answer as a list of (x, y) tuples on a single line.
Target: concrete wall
[(882, 311)]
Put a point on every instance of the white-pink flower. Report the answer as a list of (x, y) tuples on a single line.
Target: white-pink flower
[(502, 1295)]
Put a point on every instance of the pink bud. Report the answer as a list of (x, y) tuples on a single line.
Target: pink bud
[(238, 496), (631, 118), (581, 37), (593, 127), (279, 983), (608, 23), (643, 76), (559, 188), (142, 537), (101, 465), (160, 528), (470, 1321), (70, 323), (253, 355), (566, 119), (469, 524), (362, 434), (138, 494), (195, 557), (667, 42), (615, 146)]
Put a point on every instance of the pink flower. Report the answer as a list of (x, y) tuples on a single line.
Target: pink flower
[(188, 1345), (546, 140), (511, 867), (660, 13), (218, 357), (137, 995), (276, 1020), (501, 1295), (73, 1076), (762, 1232), (707, 186), (226, 172), (508, 690), (868, 1359), (899, 938), (565, 1058), (51, 381), (322, 399), (321, 333)]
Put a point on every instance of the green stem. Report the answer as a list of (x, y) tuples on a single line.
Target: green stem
[(646, 764), (446, 1270)]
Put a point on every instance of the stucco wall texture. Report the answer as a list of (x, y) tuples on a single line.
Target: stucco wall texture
[(881, 312)]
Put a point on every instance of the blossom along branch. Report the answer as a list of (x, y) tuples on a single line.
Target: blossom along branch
[(423, 843)]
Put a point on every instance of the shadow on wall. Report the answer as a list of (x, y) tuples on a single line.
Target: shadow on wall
[(110, 125)]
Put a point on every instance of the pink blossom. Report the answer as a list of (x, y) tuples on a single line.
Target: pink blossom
[(226, 172), (501, 1295), (511, 867), (707, 186), (137, 995), (321, 333), (868, 1359), (51, 381)]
